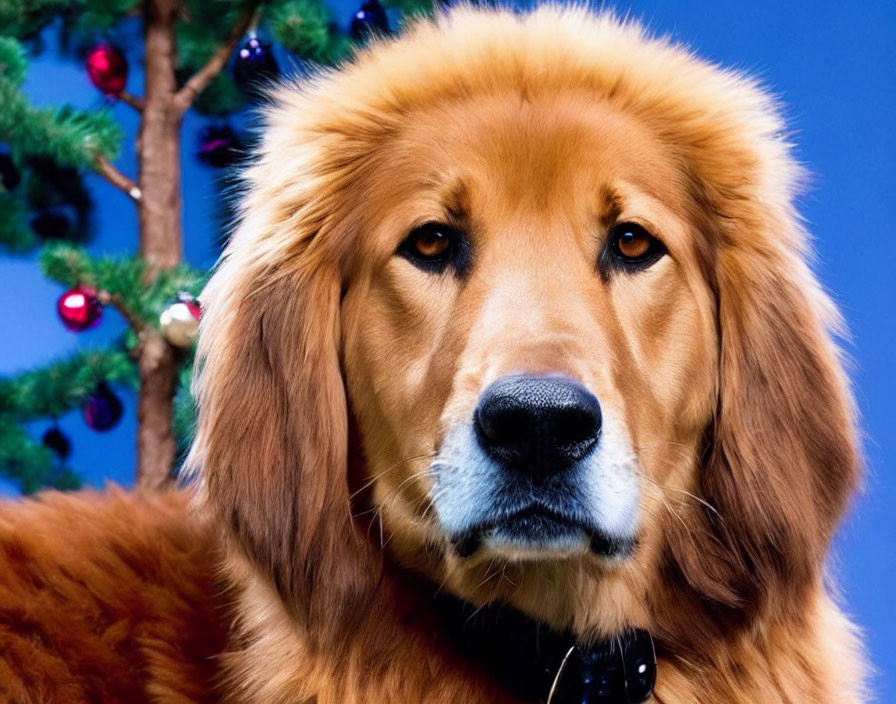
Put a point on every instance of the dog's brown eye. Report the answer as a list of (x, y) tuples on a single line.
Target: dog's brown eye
[(432, 243), (633, 243), (434, 247), (633, 246)]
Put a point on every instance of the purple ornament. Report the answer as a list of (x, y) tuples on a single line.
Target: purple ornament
[(369, 20), (219, 146), (255, 63), (103, 409)]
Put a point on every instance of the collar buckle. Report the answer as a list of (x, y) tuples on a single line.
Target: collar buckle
[(621, 671)]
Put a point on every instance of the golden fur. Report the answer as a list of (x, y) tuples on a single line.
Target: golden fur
[(330, 370)]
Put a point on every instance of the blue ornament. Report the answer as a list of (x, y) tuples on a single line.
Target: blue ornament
[(368, 21), (103, 409), (255, 62)]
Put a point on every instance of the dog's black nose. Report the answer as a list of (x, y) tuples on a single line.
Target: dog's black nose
[(537, 425)]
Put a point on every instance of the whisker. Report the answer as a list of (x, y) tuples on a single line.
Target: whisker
[(367, 484), (702, 501), (663, 487)]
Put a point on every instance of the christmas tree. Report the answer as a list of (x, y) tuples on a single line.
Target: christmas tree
[(213, 56)]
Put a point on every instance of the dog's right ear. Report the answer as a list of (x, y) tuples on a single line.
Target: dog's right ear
[(271, 445)]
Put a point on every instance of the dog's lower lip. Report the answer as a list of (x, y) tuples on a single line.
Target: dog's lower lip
[(469, 542)]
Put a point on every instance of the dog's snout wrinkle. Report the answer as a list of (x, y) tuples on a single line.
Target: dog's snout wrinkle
[(537, 426)]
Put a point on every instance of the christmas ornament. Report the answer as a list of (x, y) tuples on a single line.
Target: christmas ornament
[(107, 69), (180, 321), (369, 20), (52, 225), (58, 442), (218, 146), (103, 409), (254, 62), (9, 174), (79, 308)]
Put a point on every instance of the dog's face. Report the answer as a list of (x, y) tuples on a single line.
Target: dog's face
[(522, 303), (528, 343)]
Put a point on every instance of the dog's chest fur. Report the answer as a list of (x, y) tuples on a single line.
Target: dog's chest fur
[(119, 597)]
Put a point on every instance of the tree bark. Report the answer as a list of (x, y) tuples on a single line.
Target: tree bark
[(158, 146)]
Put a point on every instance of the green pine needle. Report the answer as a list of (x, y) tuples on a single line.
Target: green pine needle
[(13, 63), (302, 27), (15, 234), (411, 8), (30, 464), (22, 459), (184, 422), (70, 137), (25, 18), (98, 16)]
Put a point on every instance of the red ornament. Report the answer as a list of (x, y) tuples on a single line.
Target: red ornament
[(79, 308), (107, 69), (192, 304)]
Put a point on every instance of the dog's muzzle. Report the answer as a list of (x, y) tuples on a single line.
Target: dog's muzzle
[(533, 475)]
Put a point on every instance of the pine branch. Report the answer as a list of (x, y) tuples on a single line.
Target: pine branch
[(25, 18), (13, 63), (184, 421), (135, 101), (98, 16), (410, 9), (121, 282), (303, 27), (105, 168), (69, 137), (29, 463), (54, 390), (118, 303), (15, 234), (51, 392), (199, 80)]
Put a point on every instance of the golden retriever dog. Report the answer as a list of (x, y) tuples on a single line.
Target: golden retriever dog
[(514, 385)]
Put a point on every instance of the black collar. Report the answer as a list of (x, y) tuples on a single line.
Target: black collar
[(531, 659)]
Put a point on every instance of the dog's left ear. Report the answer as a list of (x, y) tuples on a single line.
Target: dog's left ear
[(272, 441)]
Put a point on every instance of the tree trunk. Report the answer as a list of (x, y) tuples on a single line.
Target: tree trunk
[(158, 147)]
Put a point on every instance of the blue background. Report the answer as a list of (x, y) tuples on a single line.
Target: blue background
[(834, 67)]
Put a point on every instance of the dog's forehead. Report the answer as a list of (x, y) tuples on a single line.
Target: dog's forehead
[(495, 159), (542, 150)]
